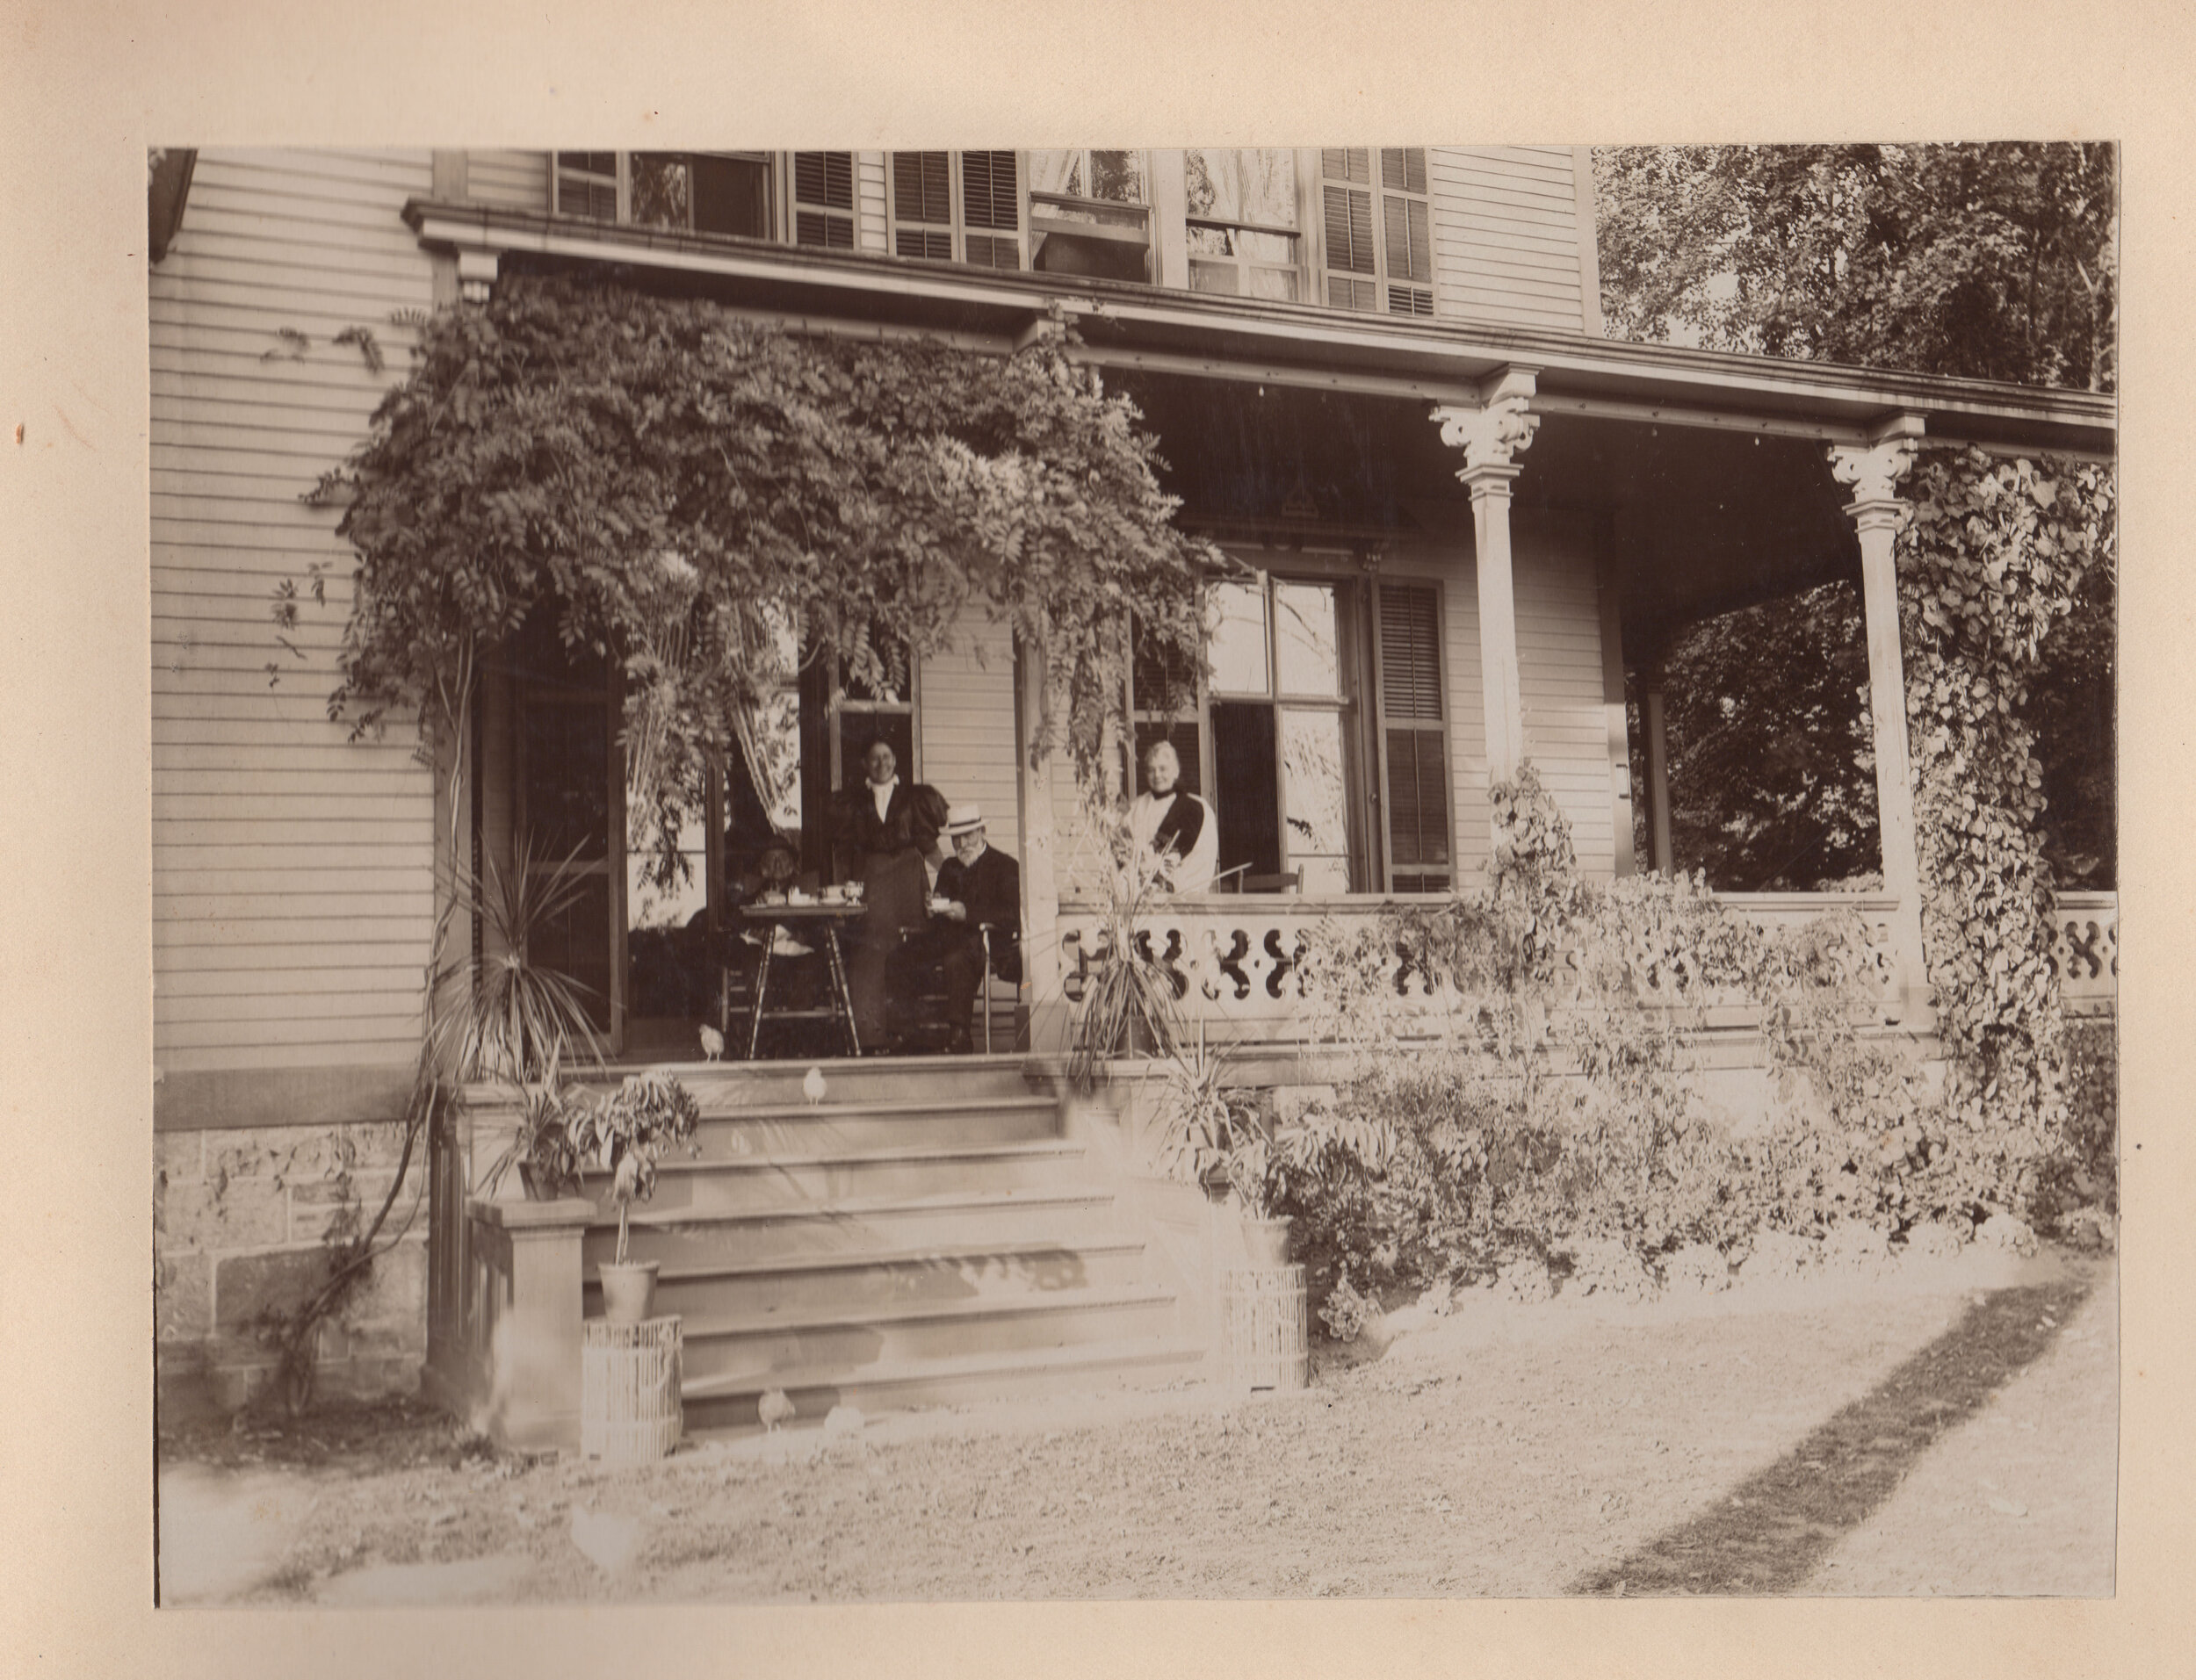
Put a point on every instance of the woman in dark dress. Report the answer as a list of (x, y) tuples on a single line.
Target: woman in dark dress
[(886, 827)]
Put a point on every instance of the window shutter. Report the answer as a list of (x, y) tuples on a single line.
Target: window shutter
[(1408, 222), (1346, 197), (823, 199), (1413, 740), (923, 205), (991, 210)]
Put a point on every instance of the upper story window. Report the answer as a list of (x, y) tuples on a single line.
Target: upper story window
[(1244, 227), (1379, 236), (702, 192), (1090, 213), (957, 207)]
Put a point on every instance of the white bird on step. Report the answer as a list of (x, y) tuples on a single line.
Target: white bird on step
[(712, 1043), (773, 1409), (812, 1086)]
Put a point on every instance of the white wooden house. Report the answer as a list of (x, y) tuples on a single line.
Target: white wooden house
[(1378, 378)]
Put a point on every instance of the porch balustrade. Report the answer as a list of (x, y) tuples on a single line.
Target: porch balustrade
[(1238, 963)]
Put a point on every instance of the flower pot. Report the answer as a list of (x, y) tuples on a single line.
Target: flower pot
[(536, 1182), (1266, 1241), (629, 1291)]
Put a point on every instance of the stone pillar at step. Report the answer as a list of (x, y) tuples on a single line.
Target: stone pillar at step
[(1492, 433), (1879, 514), (529, 1366)]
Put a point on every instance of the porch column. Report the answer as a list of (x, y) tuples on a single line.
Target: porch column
[(1878, 515), (1658, 774), (1490, 434), (1040, 880)]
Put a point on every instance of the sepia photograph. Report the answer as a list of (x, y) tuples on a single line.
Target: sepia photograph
[(1366, 872)]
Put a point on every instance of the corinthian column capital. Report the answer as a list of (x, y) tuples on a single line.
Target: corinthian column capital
[(1873, 470), (1490, 433)]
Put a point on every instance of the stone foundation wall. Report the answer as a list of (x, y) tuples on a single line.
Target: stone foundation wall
[(244, 1221)]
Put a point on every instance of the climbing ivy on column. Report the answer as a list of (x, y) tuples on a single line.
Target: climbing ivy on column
[(1989, 565)]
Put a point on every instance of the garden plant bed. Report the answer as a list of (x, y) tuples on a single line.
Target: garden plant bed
[(1961, 1412)]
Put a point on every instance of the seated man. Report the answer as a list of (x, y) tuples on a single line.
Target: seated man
[(977, 886)]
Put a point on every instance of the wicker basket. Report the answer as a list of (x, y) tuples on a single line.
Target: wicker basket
[(1264, 1326), (629, 1390)]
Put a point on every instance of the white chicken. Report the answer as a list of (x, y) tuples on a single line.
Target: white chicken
[(812, 1086), (773, 1409), (712, 1043)]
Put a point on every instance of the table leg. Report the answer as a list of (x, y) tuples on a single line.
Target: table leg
[(841, 994), (762, 979)]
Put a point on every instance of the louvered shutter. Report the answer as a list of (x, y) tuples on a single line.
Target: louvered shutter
[(923, 205), (1346, 199), (1414, 751), (1408, 223), (991, 210), (823, 199)]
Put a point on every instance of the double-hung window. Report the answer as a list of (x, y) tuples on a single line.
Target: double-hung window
[(1090, 213), (702, 192), (1244, 229)]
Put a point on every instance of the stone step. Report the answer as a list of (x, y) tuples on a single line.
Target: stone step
[(889, 1276), (735, 1184), (799, 1231), (783, 1349), (727, 1086), (729, 1403), (796, 1128)]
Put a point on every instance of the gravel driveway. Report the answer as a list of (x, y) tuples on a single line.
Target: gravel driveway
[(1500, 1449)]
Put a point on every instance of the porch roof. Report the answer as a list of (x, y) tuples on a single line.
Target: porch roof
[(1205, 336)]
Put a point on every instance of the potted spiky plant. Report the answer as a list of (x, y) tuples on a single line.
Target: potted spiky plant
[(626, 1131), (1129, 1001), (516, 1023)]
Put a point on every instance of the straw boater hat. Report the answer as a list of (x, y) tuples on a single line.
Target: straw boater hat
[(963, 819)]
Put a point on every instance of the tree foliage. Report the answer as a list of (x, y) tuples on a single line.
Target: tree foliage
[(680, 486), (1995, 261), (1772, 763), (1983, 261)]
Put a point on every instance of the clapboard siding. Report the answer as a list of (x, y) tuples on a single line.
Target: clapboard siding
[(293, 881), (1506, 234), (968, 724), (515, 180), (870, 228), (1560, 680)]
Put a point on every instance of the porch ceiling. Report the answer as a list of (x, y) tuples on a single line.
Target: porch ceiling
[(1699, 521)]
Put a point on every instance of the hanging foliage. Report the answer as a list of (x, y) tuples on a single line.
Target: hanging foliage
[(1993, 561), (683, 489)]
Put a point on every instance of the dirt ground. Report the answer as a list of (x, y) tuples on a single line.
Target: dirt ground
[(1945, 1427)]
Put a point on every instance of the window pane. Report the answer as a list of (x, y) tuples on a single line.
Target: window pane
[(1223, 278), (1316, 798), (565, 750), (730, 195), (1245, 796), (662, 190), (1257, 185), (1280, 284), (1309, 652), (1056, 171), (1237, 614), (1118, 176)]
